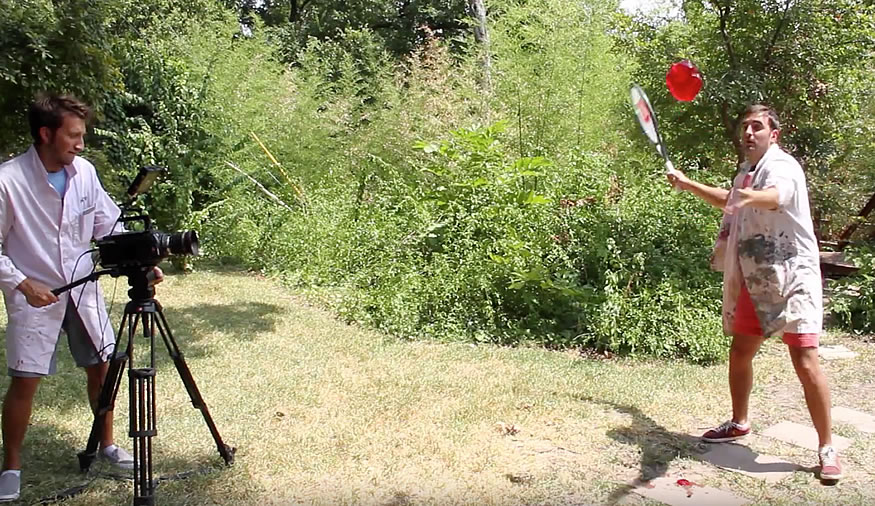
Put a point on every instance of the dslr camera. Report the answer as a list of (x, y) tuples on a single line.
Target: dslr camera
[(146, 248)]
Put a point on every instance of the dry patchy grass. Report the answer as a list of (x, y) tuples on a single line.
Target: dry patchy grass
[(326, 413)]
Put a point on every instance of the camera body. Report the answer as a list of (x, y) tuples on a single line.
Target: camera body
[(146, 248), (129, 251)]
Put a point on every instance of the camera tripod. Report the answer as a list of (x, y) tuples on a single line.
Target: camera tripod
[(143, 310)]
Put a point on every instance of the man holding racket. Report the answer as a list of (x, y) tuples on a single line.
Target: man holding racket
[(771, 275)]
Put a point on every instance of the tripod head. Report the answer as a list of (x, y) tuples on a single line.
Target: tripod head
[(140, 280)]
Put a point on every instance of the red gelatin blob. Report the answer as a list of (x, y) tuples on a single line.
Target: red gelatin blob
[(684, 81)]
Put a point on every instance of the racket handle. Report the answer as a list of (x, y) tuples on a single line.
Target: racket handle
[(669, 170)]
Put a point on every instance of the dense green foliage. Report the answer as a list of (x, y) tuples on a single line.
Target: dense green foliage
[(853, 302), (765, 51), (511, 232), (368, 151), (117, 56), (397, 25), (52, 46)]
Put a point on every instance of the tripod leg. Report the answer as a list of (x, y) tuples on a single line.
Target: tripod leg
[(108, 393), (194, 394), (143, 429)]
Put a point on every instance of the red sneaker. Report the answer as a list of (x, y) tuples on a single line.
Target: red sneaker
[(830, 467), (728, 431)]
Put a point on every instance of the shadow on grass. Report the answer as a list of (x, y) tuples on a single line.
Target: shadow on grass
[(659, 447), (199, 329), (49, 462), (51, 474), (193, 329), (51, 466), (239, 322)]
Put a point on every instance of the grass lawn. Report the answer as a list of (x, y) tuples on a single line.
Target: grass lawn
[(326, 413)]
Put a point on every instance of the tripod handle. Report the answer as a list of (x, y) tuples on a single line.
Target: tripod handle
[(91, 277)]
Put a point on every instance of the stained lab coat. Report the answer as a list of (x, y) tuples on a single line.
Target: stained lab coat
[(44, 237), (775, 252)]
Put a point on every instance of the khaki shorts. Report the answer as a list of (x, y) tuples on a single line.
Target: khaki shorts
[(81, 346)]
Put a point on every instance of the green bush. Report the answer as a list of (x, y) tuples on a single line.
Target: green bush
[(56, 46), (487, 247), (557, 75), (157, 120), (853, 300)]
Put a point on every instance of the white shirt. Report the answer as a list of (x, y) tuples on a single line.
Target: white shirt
[(43, 236)]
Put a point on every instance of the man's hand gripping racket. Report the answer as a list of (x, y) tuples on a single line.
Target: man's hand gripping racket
[(647, 119)]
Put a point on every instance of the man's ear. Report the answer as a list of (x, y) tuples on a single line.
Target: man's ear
[(45, 135), (774, 136)]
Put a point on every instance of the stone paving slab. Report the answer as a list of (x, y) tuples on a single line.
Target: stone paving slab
[(741, 459), (863, 422), (676, 490), (835, 352), (804, 436)]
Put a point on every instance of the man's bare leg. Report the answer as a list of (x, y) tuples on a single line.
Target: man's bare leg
[(816, 388), (741, 354), (96, 376), (17, 407)]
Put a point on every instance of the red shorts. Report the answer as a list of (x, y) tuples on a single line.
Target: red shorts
[(748, 324)]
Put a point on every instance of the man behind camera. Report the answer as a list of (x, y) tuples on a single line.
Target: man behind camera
[(51, 206)]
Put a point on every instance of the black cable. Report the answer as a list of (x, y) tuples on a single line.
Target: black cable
[(81, 293), (99, 352), (73, 491), (103, 347), (108, 319), (101, 325), (76, 265)]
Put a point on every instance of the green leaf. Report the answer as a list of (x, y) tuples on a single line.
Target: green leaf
[(537, 199)]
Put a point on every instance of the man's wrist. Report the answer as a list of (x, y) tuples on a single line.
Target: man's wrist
[(25, 286)]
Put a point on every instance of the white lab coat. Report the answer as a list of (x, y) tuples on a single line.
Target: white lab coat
[(43, 237)]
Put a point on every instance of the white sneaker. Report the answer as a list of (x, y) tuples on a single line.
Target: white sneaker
[(117, 456), (830, 466), (10, 486)]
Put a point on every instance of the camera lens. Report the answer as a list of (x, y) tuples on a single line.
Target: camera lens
[(183, 243)]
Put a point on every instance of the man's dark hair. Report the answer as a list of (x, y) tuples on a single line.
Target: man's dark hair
[(774, 122), (48, 110)]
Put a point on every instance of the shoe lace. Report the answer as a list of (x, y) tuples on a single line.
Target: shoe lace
[(728, 426), (828, 456)]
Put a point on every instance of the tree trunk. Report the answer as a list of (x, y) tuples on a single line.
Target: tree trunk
[(477, 9), (730, 126), (295, 9), (849, 229)]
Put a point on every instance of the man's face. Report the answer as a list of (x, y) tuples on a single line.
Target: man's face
[(757, 136), (67, 141)]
